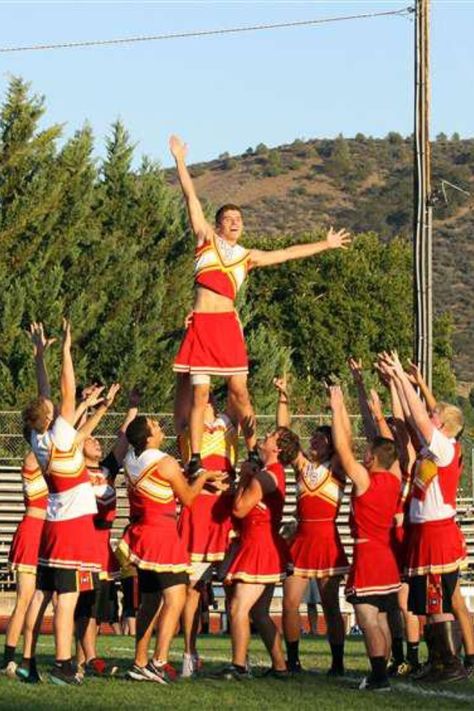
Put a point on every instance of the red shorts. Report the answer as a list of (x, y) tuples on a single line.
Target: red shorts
[(154, 546), (23, 556), (435, 547), (262, 556), (213, 345), (317, 551), (373, 571), (205, 526), (70, 544)]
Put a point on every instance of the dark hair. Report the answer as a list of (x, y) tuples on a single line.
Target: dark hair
[(385, 450), (225, 208), (34, 417), (137, 434), (325, 430), (289, 445)]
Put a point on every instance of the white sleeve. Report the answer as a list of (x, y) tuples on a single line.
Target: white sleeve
[(442, 448), (63, 434)]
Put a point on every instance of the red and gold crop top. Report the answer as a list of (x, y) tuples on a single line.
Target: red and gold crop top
[(221, 266)]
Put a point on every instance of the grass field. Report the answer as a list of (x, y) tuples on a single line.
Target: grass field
[(311, 690)]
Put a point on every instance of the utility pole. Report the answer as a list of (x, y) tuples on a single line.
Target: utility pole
[(422, 244)]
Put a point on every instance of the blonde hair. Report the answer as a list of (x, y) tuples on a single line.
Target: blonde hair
[(452, 418)]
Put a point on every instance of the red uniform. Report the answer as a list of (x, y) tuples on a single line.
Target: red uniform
[(102, 478), (23, 556), (400, 531), (151, 541), (263, 556), (214, 342), (316, 548), (68, 537), (436, 544), (374, 569), (206, 524)]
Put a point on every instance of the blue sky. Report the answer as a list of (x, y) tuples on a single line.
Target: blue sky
[(229, 93)]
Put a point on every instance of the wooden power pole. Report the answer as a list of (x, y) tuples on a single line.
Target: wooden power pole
[(423, 346)]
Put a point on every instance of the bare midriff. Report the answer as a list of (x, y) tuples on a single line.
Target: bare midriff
[(208, 301), (34, 512)]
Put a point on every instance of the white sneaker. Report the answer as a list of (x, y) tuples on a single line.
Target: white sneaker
[(10, 670), (188, 667)]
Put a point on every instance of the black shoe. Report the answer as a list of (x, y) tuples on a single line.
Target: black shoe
[(234, 673), (61, 677), (31, 677), (281, 674), (371, 684), (334, 672), (294, 668), (393, 666)]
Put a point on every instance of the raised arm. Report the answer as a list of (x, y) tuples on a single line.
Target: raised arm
[(355, 471), (40, 345), (379, 418), (418, 411), (67, 407), (91, 423), (200, 226), (254, 483), (414, 374), (120, 447), (334, 240), (283, 418), (369, 427), (183, 490)]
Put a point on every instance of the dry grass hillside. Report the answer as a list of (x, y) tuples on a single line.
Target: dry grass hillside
[(362, 184)]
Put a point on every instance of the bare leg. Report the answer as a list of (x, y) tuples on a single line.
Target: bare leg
[(244, 598), (196, 418), (174, 599), (64, 624), (182, 402), (190, 619), (375, 636), (239, 400), (25, 589), (86, 630), (269, 633), (146, 619), (329, 592), (293, 591)]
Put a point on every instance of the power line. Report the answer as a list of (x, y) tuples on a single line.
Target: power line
[(206, 33)]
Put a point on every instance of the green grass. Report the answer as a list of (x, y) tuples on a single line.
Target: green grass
[(311, 690)]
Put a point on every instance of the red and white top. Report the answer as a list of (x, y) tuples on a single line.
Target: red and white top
[(221, 266), (319, 491), (35, 489), (437, 473), (218, 447), (102, 478), (62, 463), (151, 497)]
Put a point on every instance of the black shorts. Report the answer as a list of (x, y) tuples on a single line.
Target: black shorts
[(64, 580), (151, 582), (384, 603), (131, 596), (100, 604), (432, 594)]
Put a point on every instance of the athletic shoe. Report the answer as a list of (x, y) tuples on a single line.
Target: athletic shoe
[(335, 672), (99, 667), (167, 671), (60, 677), (408, 669), (393, 666), (281, 674), (370, 684), (22, 673), (294, 668), (233, 673), (147, 673), (188, 668), (9, 670)]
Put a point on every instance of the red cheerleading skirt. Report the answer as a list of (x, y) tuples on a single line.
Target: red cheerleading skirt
[(70, 544), (399, 543), (435, 547), (317, 551), (154, 545), (213, 345), (262, 555), (24, 550), (204, 527), (374, 570), (108, 560)]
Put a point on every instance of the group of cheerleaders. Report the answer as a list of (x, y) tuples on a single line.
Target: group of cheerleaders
[(408, 548)]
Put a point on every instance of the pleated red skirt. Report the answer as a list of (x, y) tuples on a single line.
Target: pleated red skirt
[(70, 544), (154, 546), (24, 550), (205, 526), (263, 555), (316, 550), (374, 570), (435, 547)]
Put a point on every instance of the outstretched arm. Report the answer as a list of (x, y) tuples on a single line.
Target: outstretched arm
[(355, 471), (120, 447), (283, 418), (369, 427), (417, 409), (91, 423), (414, 374), (199, 224), (334, 240), (67, 407), (40, 345)]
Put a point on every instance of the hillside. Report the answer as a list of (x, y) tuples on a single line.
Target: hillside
[(362, 184)]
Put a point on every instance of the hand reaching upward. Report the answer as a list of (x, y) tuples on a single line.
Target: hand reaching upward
[(338, 240), (178, 148)]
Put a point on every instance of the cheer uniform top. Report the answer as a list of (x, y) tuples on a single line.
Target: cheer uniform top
[(316, 548), (214, 342), (102, 479), (262, 555), (68, 537), (206, 524), (151, 541), (374, 569), (23, 555)]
